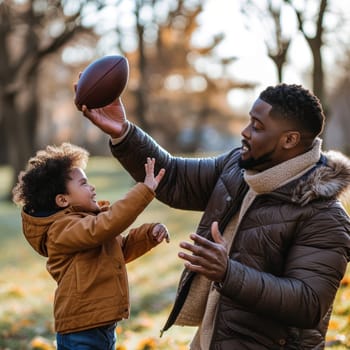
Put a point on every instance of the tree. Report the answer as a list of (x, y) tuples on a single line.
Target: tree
[(336, 135), (315, 41), (169, 92), (30, 31), (277, 41)]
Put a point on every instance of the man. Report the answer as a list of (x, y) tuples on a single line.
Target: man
[(269, 281)]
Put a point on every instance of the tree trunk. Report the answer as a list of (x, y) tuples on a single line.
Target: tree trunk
[(317, 75), (141, 93), (16, 137)]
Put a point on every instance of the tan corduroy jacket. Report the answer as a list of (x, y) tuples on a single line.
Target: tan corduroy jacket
[(87, 255)]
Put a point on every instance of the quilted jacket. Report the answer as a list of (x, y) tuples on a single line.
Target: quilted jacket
[(290, 251)]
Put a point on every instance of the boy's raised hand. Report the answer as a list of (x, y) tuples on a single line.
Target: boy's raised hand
[(150, 180)]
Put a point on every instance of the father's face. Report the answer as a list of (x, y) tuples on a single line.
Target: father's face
[(262, 139)]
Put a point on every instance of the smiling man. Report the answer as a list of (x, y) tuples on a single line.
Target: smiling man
[(264, 266)]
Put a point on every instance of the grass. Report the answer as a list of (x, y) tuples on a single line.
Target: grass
[(26, 289)]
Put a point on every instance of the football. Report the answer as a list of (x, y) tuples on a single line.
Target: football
[(102, 81)]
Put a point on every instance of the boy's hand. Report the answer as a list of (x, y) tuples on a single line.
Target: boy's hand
[(160, 232), (111, 119), (151, 181)]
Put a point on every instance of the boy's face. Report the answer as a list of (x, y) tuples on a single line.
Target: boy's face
[(80, 193)]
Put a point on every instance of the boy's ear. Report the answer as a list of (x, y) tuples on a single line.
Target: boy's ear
[(61, 200)]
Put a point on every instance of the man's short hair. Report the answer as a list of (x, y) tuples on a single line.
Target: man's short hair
[(297, 105)]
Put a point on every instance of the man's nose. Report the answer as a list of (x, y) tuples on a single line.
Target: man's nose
[(246, 132)]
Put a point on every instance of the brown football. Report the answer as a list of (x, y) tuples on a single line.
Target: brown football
[(102, 81)]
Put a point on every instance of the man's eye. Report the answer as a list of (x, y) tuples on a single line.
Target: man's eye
[(256, 126)]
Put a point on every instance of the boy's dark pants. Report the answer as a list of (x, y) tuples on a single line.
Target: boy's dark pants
[(100, 338)]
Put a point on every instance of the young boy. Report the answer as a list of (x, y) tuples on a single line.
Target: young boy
[(83, 243)]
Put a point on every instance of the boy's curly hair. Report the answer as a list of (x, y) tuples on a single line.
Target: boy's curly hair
[(46, 175), (297, 104)]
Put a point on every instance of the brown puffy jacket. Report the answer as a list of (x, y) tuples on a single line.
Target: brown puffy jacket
[(86, 257), (289, 254)]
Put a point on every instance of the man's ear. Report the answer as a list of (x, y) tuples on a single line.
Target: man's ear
[(291, 139), (61, 200)]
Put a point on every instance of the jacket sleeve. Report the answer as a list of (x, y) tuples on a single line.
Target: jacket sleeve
[(87, 231), (315, 265), (137, 242), (188, 182)]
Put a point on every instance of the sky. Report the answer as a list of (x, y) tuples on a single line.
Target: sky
[(224, 16), (248, 45)]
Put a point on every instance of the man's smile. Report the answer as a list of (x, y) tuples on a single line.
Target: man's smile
[(245, 147)]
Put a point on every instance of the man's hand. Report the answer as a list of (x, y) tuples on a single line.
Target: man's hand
[(111, 119), (208, 258)]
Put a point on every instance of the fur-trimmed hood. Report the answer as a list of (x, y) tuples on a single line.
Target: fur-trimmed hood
[(328, 180)]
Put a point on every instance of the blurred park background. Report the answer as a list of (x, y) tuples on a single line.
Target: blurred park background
[(196, 66)]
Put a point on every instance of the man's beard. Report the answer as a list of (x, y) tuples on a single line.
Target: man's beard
[(253, 163)]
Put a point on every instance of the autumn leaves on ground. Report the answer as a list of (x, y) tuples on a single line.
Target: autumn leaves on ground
[(26, 289)]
